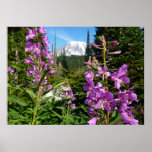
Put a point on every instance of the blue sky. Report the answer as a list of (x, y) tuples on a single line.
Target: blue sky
[(66, 34)]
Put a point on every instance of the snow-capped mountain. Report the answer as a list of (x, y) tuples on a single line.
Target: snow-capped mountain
[(73, 48)]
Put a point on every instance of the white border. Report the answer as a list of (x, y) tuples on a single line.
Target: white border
[(75, 13)]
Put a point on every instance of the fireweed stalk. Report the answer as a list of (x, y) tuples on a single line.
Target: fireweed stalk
[(106, 78), (100, 99), (69, 94), (39, 61)]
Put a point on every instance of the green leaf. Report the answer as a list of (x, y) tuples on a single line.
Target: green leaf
[(117, 119), (31, 94), (114, 114), (56, 114), (12, 122), (14, 87), (18, 100), (36, 61), (15, 66), (14, 114)]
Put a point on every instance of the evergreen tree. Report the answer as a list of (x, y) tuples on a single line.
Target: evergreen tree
[(88, 48), (55, 53), (64, 61)]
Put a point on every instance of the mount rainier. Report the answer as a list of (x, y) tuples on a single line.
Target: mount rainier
[(73, 48)]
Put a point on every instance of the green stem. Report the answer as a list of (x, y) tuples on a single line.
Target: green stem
[(35, 109), (37, 98), (104, 60)]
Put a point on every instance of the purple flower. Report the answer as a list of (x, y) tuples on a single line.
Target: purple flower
[(102, 40), (89, 76), (16, 83), (92, 121), (26, 83), (51, 72), (46, 66), (107, 101), (40, 58), (103, 71), (88, 63), (42, 30), (132, 96), (27, 61), (97, 106), (107, 107), (109, 60), (96, 94), (120, 77), (35, 68), (70, 96), (29, 47), (36, 48), (29, 72), (37, 79), (116, 52), (88, 101), (96, 46), (42, 63), (98, 98), (65, 94), (45, 41), (123, 108), (47, 54), (44, 82), (15, 77), (49, 87), (128, 118), (10, 70), (108, 96), (127, 96), (31, 35), (72, 106), (51, 61), (98, 85), (87, 87), (113, 43), (91, 112)]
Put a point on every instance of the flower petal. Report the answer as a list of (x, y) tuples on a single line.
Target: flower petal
[(122, 70), (132, 96), (93, 121), (108, 96), (117, 85), (125, 79)]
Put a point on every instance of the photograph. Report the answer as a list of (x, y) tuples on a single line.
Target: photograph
[(75, 75)]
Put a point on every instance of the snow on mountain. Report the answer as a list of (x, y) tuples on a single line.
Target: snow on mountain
[(73, 48)]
